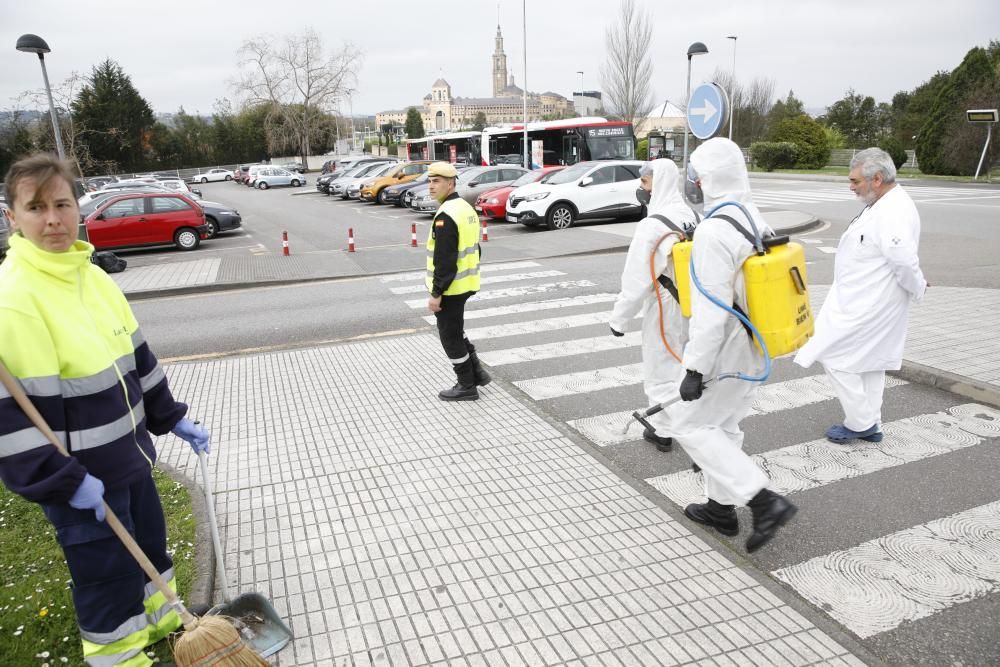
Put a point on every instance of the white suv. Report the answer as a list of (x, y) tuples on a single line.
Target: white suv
[(588, 190)]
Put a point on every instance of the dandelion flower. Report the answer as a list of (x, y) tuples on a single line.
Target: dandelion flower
[(43, 612)]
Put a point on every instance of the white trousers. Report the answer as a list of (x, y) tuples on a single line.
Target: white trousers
[(731, 476), (860, 395)]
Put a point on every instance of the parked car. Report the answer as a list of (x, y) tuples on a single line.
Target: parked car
[(402, 172), (220, 218), (241, 172), (97, 182), (268, 177), (493, 203), (339, 187), (474, 181), (119, 187), (394, 193), (212, 175), (351, 162), (419, 199), (324, 181), (178, 185), (587, 190), (297, 167), (147, 219)]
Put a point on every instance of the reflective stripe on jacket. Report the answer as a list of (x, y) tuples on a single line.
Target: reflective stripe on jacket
[(467, 266), (70, 338)]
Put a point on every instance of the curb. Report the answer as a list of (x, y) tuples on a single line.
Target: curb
[(950, 382), (203, 581)]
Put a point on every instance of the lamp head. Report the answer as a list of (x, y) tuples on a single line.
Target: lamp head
[(32, 44), (732, 37), (696, 49)]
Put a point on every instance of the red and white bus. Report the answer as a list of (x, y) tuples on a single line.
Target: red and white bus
[(564, 142), (454, 147)]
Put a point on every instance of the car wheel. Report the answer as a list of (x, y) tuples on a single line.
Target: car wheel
[(204, 180), (295, 183), (186, 238), (560, 217), (381, 196), (228, 177), (262, 185), (213, 227)]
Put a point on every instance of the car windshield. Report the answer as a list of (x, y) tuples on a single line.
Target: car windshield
[(469, 174), (381, 171), (549, 175), (529, 177), (570, 174)]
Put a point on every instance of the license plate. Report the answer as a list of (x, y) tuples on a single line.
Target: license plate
[(478, 208), (511, 218)]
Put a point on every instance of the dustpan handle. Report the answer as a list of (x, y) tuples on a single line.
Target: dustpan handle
[(15, 390), (213, 526)]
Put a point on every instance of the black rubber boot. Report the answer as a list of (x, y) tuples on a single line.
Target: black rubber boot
[(721, 517), (770, 512), (482, 377), (465, 388), (662, 444)]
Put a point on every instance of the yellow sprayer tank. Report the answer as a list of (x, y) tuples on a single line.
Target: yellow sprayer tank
[(777, 294)]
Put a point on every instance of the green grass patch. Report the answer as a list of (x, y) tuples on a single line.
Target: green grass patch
[(37, 621)]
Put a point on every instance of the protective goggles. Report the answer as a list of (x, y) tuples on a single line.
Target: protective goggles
[(692, 191)]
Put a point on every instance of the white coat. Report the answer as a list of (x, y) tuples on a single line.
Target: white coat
[(862, 325), (661, 372)]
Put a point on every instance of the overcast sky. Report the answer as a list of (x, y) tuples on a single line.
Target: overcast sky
[(183, 53)]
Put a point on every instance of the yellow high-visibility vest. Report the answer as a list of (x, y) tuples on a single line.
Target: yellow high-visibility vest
[(467, 276)]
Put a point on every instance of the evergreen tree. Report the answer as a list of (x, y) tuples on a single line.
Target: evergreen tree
[(114, 120), (414, 124), (790, 107), (479, 123)]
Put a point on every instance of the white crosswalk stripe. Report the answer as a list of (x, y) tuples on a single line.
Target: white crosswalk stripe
[(485, 268), (489, 280), (510, 292), (582, 382), (579, 346), (538, 326), (533, 306)]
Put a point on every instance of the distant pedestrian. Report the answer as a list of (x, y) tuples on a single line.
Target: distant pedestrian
[(861, 329), (452, 277), (68, 335), (648, 259)]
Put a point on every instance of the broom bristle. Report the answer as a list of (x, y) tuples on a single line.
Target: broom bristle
[(214, 643)]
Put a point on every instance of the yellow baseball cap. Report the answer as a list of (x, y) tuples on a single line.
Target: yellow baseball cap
[(443, 169)]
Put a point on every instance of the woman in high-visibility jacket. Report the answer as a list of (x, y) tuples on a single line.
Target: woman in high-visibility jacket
[(69, 337)]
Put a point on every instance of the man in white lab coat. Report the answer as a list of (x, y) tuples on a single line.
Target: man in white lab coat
[(861, 330), (708, 426), (669, 219)]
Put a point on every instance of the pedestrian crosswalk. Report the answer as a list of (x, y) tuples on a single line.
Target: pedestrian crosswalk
[(769, 194), (550, 341)]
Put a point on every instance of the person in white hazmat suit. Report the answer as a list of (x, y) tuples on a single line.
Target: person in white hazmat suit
[(707, 423), (861, 329), (661, 371)]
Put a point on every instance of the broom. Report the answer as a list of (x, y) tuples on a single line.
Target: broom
[(211, 641)]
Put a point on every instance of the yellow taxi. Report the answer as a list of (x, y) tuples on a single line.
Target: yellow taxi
[(401, 173)]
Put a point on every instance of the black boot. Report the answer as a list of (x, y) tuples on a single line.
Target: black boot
[(662, 444), (482, 377), (721, 517), (465, 388), (770, 512)]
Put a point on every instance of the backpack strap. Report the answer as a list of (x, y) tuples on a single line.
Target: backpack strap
[(669, 223), (738, 227)]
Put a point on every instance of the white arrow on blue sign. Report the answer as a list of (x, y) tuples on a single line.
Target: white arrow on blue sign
[(707, 110)]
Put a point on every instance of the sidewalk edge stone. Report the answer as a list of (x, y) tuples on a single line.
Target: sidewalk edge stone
[(203, 581), (950, 382)]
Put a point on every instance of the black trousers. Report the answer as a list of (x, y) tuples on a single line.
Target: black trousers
[(451, 327)]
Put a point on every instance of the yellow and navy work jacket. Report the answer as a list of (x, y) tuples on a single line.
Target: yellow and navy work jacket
[(453, 249), (69, 337)]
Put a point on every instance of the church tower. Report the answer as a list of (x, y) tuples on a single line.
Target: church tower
[(499, 65)]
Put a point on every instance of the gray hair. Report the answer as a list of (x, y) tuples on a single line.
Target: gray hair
[(875, 161), (646, 169)]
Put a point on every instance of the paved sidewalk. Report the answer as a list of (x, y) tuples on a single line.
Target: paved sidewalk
[(392, 529)]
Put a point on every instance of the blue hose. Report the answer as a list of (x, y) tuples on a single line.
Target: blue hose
[(745, 320)]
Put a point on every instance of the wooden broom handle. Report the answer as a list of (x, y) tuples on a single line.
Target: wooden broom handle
[(14, 389)]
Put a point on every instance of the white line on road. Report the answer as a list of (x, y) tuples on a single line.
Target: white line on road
[(539, 326), (581, 382), (533, 306), (509, 292), (519, 355), (827, 249), (820, 462), (513, 277), (485, 268), (908, 575)]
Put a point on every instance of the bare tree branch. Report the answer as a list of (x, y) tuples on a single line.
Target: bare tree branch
[(628, 70)]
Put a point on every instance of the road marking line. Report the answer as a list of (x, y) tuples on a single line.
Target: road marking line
[(485, 268), (516, 291), (513, 277), (820, 462), (605, 430), (532, 306), (559, 349), (907, 575), (539, 326), (828, 250), (582, 382)]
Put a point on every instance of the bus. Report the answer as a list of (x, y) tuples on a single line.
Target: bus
[(455, 147), (564, 142)]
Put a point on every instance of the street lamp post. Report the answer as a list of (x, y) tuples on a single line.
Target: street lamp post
[(581, 81), (732, 88), (695, 49), (524, 82), (35, 44)]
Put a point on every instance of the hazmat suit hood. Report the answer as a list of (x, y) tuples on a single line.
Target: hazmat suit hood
[(666, 197), (720, 166)]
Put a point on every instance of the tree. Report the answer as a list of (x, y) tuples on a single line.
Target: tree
[(628, 70), (414, 127), (751, 104), (790, 107), (479, 123), (114, 119), (862, 121), (809, 138), (299, 81)]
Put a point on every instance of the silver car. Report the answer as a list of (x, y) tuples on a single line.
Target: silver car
[(475, 181), (345, 186), (271, 176), (339, 186)]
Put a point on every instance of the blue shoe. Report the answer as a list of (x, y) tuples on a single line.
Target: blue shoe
[(840, 433)]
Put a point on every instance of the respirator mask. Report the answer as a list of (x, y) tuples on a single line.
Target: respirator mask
[(643, 196)]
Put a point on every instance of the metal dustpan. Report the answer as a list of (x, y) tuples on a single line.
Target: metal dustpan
[(251, 613)]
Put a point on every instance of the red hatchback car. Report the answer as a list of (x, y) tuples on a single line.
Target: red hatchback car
[(493, 203), (147, 218)]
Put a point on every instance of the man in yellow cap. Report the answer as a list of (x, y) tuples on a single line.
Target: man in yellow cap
[(452, 277)]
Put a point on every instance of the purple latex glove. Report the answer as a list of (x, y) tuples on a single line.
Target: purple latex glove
[(195, 434), (89, 496)]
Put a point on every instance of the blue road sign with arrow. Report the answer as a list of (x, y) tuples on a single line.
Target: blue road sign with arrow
[(707, 110)]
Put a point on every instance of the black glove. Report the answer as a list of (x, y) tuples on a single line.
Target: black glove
[(691, 386), (616, 334)]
